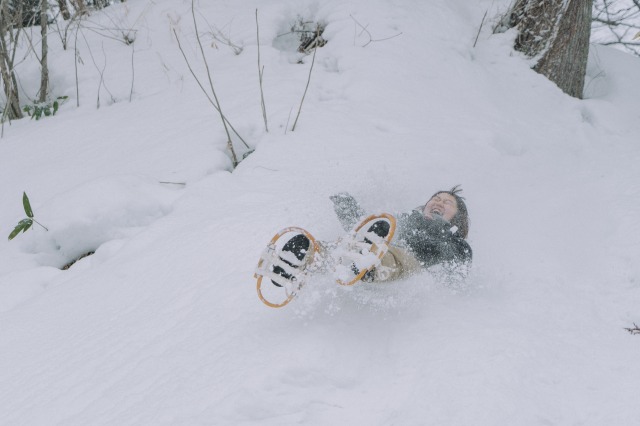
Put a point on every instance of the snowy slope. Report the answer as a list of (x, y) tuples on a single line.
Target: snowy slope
[(162, 324)]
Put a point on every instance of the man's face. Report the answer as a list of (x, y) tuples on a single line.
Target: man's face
[(442, 204)]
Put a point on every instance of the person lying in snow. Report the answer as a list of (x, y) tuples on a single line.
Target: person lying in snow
[(432, 236)]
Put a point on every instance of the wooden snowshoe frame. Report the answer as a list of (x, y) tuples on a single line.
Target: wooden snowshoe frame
[(379, 248), (271, 256)]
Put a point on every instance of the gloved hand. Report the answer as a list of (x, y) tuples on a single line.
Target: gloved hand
[(347, 209), (343, 200)]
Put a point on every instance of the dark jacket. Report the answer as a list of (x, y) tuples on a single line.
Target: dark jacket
[(432, 242)]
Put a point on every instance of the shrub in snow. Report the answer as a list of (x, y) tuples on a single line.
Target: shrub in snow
[(303, 37), (25, 223), (37, 110)]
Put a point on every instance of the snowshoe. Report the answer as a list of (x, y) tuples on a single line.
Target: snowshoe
[(363, 248), (284, 265)]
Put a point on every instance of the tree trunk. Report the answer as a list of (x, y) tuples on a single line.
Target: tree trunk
[(557, 31), (44, 68), (81, 8), (12, 106), (64, 9)]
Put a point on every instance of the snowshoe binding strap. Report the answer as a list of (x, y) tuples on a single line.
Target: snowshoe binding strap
[(364, 248)]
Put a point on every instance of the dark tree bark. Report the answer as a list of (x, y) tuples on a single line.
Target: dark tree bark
[(64, 9), (557, 33), (12, 106), (80, 6), (44, 68)]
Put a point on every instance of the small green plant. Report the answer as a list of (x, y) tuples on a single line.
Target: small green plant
[(45, 109), (25, 223)]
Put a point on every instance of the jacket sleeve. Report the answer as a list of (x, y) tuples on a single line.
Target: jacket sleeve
[(347, 209)]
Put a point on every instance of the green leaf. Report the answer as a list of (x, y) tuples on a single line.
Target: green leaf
[(27, 205), (55, 107), (47, 111), (22, 226), (15, 232)]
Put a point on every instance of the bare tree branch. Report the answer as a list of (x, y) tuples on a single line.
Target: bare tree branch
[(371, 39), (213, 90), (616, 23), (634, 330), (313, 60), (195, 77), (260, 73)]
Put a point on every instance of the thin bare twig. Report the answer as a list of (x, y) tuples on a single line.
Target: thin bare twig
[(96, 65), (202, 87), (634, 330), (100, 71), (260, 73), (371, 39), (44, 227), (296, 32), (4, 117), (480, 29), (234, 158), (122, 40), (616, 23), (75, 16), (217, 35), (133, 70), (313, 60), (77, 58), (288, 119)]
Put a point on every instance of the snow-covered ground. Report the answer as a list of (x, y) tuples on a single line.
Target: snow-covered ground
[(162, 325)]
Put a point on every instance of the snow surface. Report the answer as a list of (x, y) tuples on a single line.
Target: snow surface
[(162, 325)]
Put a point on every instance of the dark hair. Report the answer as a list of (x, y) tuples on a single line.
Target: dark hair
[(461, 219)]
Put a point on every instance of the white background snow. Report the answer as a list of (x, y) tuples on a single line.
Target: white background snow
[(162, 325)]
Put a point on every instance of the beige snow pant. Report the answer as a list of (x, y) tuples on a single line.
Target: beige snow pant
[(397, 263)]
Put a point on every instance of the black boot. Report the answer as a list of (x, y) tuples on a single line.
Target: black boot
[(298, 245), (381, 228)]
